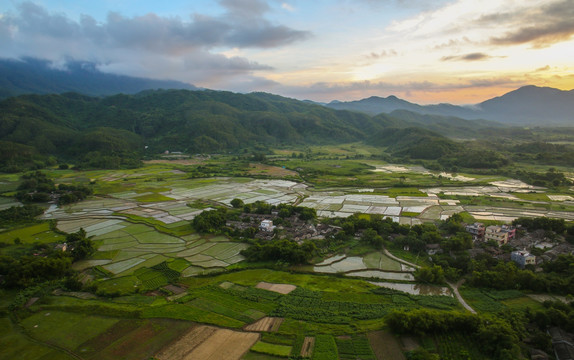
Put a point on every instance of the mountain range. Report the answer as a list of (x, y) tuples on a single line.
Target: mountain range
[(528, 105), (35, 76)]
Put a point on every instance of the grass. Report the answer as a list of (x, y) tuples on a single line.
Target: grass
[(271, 349), (67, 330), (325, 348), (409, 256), (308, 281), (16, 345), (38, 233), (190, 313), (488, 300), (410, 214), (402, 191)]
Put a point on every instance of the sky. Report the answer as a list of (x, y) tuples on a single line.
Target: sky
[(456, 51)]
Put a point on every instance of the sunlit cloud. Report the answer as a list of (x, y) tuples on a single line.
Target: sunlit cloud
[(462, 50)]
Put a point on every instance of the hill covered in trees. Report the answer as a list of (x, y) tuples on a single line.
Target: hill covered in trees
[(114, 129), (120, 130)]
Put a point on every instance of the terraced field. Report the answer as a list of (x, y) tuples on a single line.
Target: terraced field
[(124, 248), (373, 265)]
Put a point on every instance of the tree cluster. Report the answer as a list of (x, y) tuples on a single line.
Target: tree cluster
[(284, 250), (496, 336)]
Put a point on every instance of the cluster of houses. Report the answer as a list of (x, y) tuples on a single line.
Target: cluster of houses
[(501, 235), (291, 228)]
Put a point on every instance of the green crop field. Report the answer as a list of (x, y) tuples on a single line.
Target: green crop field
[(40, 233), (67, 330), (271, 349)]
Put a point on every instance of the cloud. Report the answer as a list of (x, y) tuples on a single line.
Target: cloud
[(544, 68), (150, 45), (453, 43), (382, 54), (245, 8), (287, 7), (378, 87), (547, 25), (468, 57)]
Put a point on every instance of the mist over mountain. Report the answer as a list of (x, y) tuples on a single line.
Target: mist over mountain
[(528, 105), (35, 76)]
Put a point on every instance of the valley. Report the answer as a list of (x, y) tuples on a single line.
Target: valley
[(151, 264)]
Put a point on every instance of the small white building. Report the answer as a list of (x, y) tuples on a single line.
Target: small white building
[(266, 225), (523, 258)]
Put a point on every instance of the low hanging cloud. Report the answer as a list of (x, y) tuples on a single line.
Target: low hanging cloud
[(468, 57), (149, 45)]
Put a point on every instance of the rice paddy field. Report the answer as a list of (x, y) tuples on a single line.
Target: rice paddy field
[(372, 265), (159, 282), (125, 249)]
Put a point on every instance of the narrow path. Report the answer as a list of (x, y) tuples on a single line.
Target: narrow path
[(399, 259), (454, 288)]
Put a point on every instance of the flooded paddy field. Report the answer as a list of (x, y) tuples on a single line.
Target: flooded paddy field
[(167, 197)]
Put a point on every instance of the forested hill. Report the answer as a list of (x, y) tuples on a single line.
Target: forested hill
[(72, 125)]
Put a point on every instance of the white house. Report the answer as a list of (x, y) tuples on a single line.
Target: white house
[(523, 258), (267, 225)]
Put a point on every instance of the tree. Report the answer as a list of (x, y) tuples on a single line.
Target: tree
[(371, 237), (433, 275), (237, 203), (209, 221), (82, 246)]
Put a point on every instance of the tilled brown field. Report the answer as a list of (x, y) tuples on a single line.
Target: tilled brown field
[(278, 288), (209, 343), (307, 348), (270, 324), (385, 345)]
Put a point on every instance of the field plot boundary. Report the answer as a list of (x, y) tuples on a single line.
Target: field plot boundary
[(266, 324), (278, 288), (308, 345), (208, 342)]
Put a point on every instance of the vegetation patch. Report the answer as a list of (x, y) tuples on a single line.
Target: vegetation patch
[(271, 349)]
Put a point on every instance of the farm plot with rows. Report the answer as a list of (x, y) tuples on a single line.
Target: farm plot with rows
[(206, 342)]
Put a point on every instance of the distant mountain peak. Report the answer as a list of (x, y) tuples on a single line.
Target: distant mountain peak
[(528, 104)]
